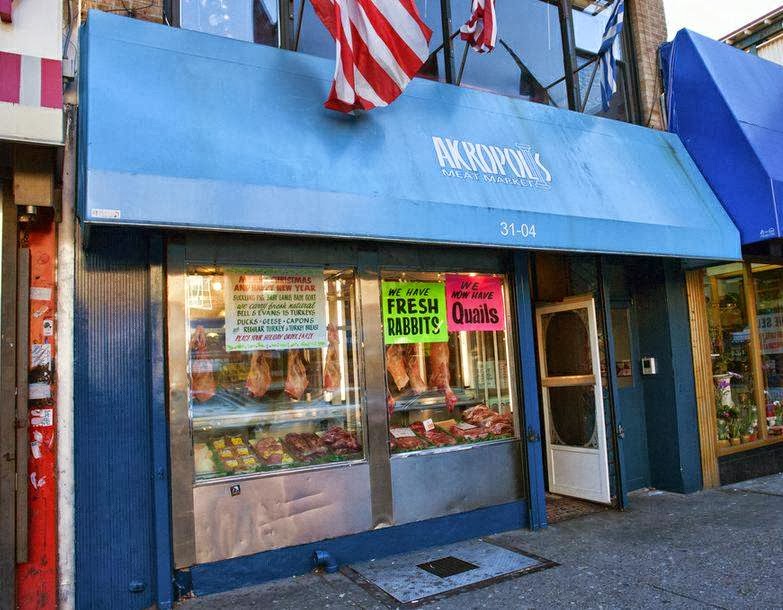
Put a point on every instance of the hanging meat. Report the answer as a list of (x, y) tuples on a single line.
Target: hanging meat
[(202, 381), (296, 378), (412, 368), (395, 364), (390, 403), (439, 372), (260, 376), (332, 364)]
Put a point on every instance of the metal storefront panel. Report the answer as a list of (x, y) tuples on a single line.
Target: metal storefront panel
[(444, 482), (276, 511)]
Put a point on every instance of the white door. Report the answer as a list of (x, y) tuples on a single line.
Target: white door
[(577, 459)]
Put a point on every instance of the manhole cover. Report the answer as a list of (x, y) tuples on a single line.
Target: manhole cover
[(447, 566)]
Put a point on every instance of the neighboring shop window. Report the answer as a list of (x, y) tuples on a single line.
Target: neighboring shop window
[(732, 339), (768, 284), (248, 20), (447, 359), (273, 367)]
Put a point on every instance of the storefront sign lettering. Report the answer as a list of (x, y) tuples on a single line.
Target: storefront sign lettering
[(517, 165), (414, 312), (475, 303), (269, 309), (771, 332)]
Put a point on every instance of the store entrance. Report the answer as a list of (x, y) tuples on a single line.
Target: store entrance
[(572, 393)]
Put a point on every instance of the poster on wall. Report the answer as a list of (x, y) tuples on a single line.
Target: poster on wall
[(414, 312), (475, 303), (271, 309)]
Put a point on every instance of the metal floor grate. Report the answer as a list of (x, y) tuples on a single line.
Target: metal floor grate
[(447, 566), (401, 581)]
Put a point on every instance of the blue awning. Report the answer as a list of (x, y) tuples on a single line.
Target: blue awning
[(727, 107), (189, 130)]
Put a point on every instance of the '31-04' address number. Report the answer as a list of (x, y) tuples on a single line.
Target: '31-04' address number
[(511, 229)]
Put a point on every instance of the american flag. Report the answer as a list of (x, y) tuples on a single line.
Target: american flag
[(381, 45), (608, 61), (481, 30)]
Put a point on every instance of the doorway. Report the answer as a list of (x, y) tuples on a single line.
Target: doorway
[(572, 395)]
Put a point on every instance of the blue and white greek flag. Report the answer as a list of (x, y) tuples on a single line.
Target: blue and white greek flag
[(610, 49)]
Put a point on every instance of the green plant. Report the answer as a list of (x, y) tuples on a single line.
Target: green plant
[(723, 430), (748, 418)]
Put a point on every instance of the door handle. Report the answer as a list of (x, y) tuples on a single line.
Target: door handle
[(620, 431), (532, 435)]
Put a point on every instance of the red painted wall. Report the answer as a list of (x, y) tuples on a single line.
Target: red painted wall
[(36, 580)]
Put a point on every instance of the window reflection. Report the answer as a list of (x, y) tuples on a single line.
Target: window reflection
[(528, 57)]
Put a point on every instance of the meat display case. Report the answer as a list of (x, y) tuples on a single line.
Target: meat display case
[(218, 515)]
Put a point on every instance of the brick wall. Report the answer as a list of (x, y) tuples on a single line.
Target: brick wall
[(648, 23), (149, 10)]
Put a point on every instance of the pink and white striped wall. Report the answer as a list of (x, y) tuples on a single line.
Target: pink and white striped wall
[(30, 81)]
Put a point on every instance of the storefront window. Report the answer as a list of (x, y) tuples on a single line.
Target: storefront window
[(528, 57), (447, 359), (732, 355), (248, 20), (590, 19), (273, 369), (768, 284)]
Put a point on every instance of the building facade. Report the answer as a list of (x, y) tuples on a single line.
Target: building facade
[(762, 37), (733, 136), (298, 331), (31, 142)]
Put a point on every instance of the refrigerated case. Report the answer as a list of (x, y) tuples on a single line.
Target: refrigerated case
[(288, 424)]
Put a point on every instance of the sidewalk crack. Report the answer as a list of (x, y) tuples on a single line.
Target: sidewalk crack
[(686, 596)]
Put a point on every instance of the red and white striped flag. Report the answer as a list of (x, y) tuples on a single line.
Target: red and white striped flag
[(381, 45), (481, 30)]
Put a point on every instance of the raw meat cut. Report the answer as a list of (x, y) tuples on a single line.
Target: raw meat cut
[(296, 378), (474, 415), (436, 437), (498, 424), (202, 381), (332, 363), (469, 433), (395, 364), (304, 446), (260, 376), (407, 443), (339, 441), (269, 450), (439, 372), (411, 353)]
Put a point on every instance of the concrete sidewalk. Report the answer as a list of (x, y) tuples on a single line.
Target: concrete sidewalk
[(717, 549)]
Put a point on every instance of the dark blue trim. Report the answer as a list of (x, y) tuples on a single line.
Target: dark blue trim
[(529, 379), (164, 564), (615, 406), (290, 561)]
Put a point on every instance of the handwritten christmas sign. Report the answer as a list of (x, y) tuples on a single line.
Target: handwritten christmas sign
[(269, 309)]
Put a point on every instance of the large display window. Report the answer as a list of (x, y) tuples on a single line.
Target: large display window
[(744, 307), (447, 356), (273, 366)]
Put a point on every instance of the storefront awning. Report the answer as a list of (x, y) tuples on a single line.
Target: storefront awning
[(189, 130), (726, 107)]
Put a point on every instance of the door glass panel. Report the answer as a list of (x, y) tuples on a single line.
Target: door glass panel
[(572, 411), (621, 330), (567, 344)]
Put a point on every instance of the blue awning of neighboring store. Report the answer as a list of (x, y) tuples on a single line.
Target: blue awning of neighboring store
[(727, 107), (182, 129)]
